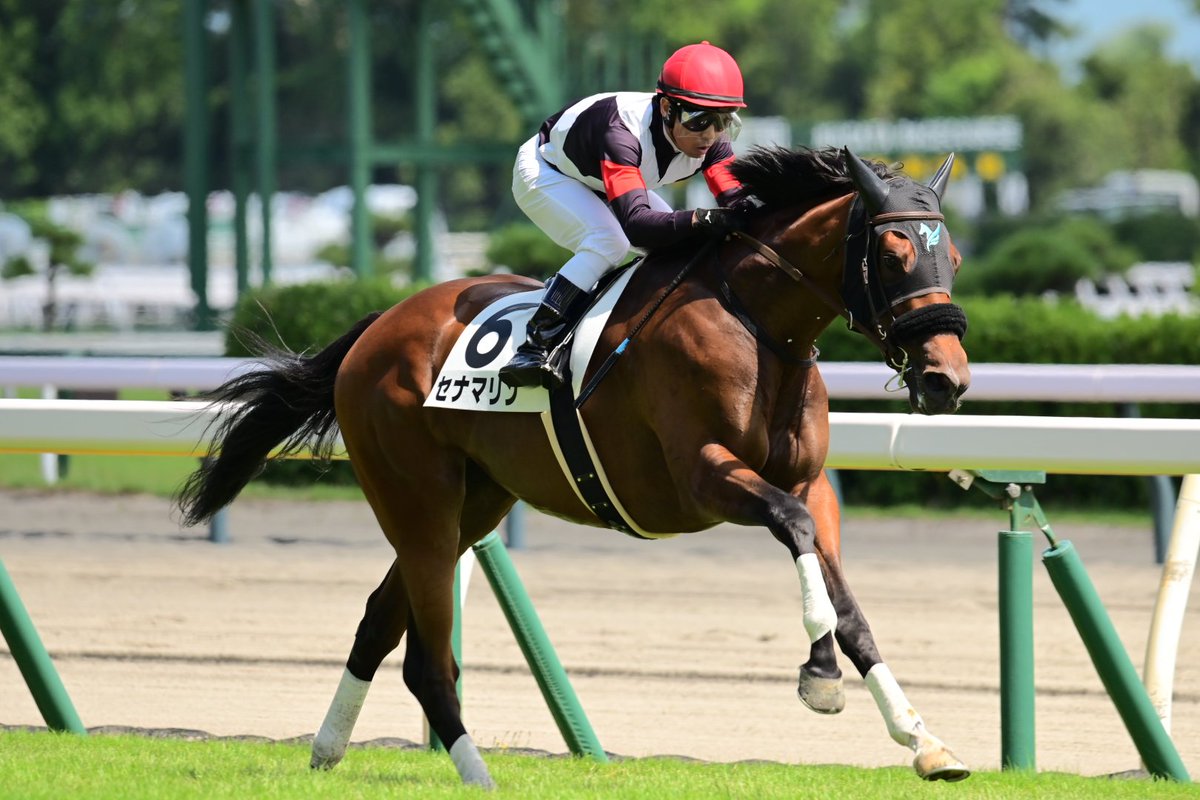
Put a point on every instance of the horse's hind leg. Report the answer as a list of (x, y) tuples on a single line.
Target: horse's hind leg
[(419, 498), (933, 760), (378, 635)]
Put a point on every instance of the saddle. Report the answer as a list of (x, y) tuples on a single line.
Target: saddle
[(470, 380)]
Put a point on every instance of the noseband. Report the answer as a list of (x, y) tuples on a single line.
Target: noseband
[(861, 286)]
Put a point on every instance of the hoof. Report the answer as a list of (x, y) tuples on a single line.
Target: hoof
[(939, 764), (822, 695)]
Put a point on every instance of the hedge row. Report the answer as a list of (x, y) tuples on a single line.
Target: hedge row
[(1001, 329), (1011, 330), (305, 318)]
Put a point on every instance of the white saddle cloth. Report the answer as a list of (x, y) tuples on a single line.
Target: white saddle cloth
[(470, 377)]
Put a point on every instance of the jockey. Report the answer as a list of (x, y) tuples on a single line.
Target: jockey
[(584, 179)]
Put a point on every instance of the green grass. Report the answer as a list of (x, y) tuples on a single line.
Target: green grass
[(43, 765), (158, 475)]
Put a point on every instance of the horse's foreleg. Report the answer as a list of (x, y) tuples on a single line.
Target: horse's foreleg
[(820, 684), (728, 486), (378, 634), (933, 760)]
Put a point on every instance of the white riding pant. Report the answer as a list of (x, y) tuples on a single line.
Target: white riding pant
[(573, 216)]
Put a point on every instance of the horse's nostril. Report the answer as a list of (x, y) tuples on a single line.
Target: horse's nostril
[(940, 384)]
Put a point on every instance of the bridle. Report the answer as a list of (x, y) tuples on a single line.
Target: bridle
[(861, 283), (918, 322)]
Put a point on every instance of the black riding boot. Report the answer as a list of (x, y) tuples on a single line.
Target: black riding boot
[(561, 308)]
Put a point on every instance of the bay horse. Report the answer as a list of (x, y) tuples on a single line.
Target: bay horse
[(717, 413)]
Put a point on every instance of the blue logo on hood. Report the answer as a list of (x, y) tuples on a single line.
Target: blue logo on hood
[(932, 237)]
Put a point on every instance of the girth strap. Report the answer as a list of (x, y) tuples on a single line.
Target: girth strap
[(578, 459)]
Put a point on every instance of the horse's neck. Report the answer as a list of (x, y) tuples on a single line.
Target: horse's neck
[(790, 309)]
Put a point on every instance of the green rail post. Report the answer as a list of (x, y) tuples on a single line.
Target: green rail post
[(1112, 663), (1013, 490), (239, 136), (359, 88), (426, 123), (539, 653), (34, 662), (265, 133), (195, 153), (1017, 737)]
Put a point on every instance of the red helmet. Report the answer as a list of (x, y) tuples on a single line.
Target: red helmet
[(702, 75)]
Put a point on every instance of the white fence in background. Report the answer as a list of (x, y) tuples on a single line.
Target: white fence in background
[(1106, 383), (1081, 445)]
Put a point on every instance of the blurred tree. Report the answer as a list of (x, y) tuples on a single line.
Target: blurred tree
[(1133, 75), (92, 91), (1069, 140), (1052, 256), (523, 249), (24, 119), (62, 245), (1161, 236), (915, 56), (99, 85)]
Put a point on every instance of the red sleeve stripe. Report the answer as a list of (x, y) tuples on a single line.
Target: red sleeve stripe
[(620, 179), (719, 179)]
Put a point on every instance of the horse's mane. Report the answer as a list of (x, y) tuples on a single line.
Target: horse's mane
[(780, 177)]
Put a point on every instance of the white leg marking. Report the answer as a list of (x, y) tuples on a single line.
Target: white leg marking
[(904, 724), (470, 764), (933, 760), (329, 745), (820, 617)]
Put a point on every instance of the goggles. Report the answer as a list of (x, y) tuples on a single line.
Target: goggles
[(701, 119)]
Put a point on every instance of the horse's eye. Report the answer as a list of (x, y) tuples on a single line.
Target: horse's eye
[(893, 263)]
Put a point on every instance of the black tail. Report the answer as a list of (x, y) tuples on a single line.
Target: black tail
[(288, 402)]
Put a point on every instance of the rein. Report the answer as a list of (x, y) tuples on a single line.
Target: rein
[(609, 362), (794, 272), (918, 322)]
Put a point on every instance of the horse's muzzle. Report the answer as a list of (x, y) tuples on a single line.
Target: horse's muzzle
[(938, 391)]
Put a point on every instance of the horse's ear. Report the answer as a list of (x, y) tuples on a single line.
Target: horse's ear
[(942, 176), (873, 188)]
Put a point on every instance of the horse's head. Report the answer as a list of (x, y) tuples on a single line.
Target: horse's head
[(900, 266)]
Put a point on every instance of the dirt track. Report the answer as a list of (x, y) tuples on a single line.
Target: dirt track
[(686, 647)]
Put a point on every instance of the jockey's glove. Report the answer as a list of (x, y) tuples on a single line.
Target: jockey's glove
[(718, 222)]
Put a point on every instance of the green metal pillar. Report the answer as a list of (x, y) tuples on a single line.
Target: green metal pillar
[(195, 152), (266, 134), (239, 134), (1112, 663), (550, 29), (33, 660), (1013, 489), (539, 653), (1017, 724), (360, 136), (426, 114)]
